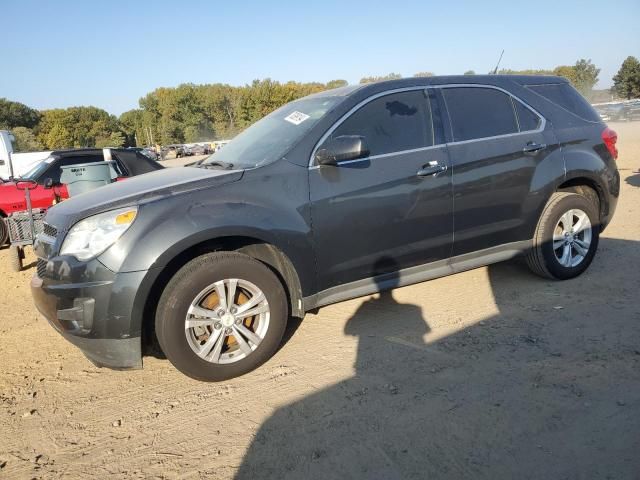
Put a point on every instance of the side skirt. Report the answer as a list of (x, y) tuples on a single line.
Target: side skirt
[(417, 274)]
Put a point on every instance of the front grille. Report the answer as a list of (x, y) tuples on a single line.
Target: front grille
[(41, 267), (49, 230)]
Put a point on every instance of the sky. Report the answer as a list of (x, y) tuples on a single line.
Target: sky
[(110, 53)]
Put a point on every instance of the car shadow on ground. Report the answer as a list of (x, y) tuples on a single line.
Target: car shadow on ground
[(547, 388), (633, 180)]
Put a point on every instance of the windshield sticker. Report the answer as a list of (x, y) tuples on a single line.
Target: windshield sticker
[(296, 117)]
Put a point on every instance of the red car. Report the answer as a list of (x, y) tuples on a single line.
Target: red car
[(128, 163)]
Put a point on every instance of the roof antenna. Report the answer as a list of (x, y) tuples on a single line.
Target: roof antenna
[(495, 70)]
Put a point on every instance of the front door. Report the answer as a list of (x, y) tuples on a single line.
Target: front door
[(386, 211)]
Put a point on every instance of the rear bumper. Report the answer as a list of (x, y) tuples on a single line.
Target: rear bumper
[(95, 316)]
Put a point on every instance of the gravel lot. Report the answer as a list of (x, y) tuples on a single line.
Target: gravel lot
[(493, 373)]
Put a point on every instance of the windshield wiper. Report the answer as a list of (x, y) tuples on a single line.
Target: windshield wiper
[(216, 164)]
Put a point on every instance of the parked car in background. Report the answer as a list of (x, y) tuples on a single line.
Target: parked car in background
[(172, 151), (337, 195), (603, 112), (147, 152), (200, 150), (127, 163), (633, 110)]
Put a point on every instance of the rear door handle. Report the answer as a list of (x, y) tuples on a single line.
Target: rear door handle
[(533, 148), (431, 169)]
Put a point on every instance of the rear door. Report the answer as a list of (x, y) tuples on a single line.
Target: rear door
[(496, 144), (378, 212)]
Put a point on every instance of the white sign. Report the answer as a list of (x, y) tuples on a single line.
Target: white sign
[(296, 117)]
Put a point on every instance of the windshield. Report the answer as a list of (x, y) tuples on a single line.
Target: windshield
[(35, 172), (270, 138)]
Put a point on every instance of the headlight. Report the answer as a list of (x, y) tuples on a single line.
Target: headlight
[(93, 235)]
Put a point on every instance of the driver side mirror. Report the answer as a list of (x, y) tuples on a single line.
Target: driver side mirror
[(341, 149), (48, 183)]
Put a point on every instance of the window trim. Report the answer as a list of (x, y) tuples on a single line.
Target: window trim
[(541, 126), (337, 123)]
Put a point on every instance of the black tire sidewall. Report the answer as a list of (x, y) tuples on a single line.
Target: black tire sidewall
[(187, 284), (4, 232), (574, 201)]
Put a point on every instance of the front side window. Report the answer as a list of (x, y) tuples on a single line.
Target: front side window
[(392, 123), (479, 112)]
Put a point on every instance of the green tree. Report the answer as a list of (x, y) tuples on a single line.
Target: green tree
[(626, 83), (134, 128), (583, 75), (26, 141), (390, 76), (83, 126), (423, 74), (115, 140), (336, 84), (58, 137), (469, 72), (15, 114)]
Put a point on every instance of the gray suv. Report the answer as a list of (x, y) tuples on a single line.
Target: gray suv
[(333, 196)]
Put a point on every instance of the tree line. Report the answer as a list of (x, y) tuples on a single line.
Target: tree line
[(191, 113)]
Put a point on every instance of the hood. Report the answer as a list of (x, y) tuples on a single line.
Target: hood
[(138, 190)]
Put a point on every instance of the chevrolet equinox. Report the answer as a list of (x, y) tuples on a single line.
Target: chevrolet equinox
[(434, 175)]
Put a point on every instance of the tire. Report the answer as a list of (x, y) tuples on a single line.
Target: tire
[(4, 232), (187, 290), (15, 258), (542, 259)]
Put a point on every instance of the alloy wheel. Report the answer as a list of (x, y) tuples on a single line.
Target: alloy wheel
[(227, 321), (572, 238)]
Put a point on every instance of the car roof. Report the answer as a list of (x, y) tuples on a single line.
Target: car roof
[(496, 80), (503, 81)]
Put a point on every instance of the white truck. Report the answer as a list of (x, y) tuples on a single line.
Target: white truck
[(16, 164)]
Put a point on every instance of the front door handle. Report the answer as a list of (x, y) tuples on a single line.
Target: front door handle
[(532, 148), (431, 169)]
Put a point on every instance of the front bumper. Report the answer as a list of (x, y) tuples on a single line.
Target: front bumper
[(95, 314)]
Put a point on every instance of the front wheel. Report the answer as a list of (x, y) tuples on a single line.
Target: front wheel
[(222, 315), (566, 237)]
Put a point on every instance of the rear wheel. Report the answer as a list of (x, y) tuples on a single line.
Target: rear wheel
[(566, 237), (222, 315)]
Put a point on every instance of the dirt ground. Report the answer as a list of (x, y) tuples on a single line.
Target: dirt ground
[(493, 373)]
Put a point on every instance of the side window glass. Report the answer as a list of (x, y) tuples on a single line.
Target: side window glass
[(526, 118), (479, 112), (393, 123)]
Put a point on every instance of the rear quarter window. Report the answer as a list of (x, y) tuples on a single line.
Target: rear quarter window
[(568, 98)]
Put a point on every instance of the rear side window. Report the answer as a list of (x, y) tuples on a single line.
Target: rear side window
[(527, 120), (393, 123), (567, 97), (479, 112)]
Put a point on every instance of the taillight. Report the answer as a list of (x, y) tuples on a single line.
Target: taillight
[(610, 137)]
